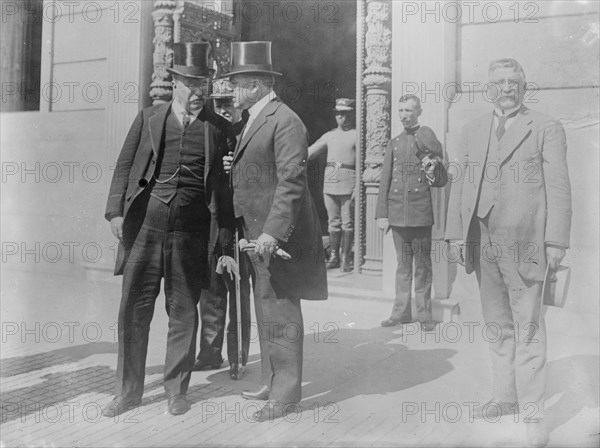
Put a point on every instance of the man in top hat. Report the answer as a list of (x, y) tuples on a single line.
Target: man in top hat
[(161, 200), (339, 181), (276, 213), (511, 222), (213, 305), (412, 165)]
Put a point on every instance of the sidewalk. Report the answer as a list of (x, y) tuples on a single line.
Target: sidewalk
[(363, 385)]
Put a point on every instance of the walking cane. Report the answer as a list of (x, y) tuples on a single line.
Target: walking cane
[(238, 308)]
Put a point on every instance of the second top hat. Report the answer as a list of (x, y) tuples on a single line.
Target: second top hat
[(191, 60), (251, 57)]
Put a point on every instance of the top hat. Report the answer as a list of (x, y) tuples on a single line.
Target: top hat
[(344, 104), (222, 89), (251, 57), (191, 60)]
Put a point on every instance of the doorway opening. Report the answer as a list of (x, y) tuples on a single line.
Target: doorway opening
[(314, 46)]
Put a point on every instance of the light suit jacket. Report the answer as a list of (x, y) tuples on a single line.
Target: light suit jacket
[(533, 204)]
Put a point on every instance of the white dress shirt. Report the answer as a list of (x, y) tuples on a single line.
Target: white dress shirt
[(257, 108), (180, 112)]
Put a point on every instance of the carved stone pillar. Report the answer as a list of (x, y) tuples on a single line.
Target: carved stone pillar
[(377, 82), (160, 88), (187, 21), (195, 22)]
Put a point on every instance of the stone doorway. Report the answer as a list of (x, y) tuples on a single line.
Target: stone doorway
[(314, 46)]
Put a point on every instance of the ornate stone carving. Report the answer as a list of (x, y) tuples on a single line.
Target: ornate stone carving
[(377, 80), (377, 83), (160, 88), (196, 23), (186, 21)]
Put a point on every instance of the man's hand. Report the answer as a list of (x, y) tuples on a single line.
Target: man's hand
[(429, 167), (265, 245), (383, 224), (227, 161), (116, 227), (554, 255), (456, 251)]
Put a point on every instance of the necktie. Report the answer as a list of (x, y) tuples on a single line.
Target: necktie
[(501, 129), (186, 120), (246, 118), (245, 115)]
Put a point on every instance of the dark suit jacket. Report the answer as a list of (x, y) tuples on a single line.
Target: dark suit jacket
[(271, 194), (533, 206), (136, 167)]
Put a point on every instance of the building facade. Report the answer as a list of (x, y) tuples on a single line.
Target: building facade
[(98, 63)]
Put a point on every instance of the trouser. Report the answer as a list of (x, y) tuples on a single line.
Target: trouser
[(172, 244), (281, 335), (339, 212), (515, 327), (413, 246), (213, 310)]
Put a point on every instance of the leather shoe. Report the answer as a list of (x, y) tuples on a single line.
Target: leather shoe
[(428, 325), (269, 412), (495, 409), (178, 404), (207, 364), (260, 394), (393, 322), (234, 372), (537, 434), (119, 405)]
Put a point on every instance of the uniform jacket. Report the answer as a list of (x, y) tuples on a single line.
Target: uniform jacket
[(135, 170), (340, 173), (271, 195), (404, 192), (533, 203)]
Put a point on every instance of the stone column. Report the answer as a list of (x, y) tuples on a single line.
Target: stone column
[(377, 81), (160, 88)]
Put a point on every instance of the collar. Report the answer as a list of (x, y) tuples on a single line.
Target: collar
[(412, 129), (260, 105), (509, 113)]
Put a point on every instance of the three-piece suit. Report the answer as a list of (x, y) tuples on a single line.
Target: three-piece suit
[(166, 186), (511, 199)]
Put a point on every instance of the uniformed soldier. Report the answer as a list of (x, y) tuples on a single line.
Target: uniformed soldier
[(412, 165), (338, 185)]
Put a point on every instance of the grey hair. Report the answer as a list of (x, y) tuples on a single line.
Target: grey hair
[(507, 63)]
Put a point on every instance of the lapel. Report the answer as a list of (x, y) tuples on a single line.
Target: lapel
[(156, 124), (481, 145), (258, 122), (208, 151), (515, 134)]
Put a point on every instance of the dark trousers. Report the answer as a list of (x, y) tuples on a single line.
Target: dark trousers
[(281, 335), (413, 247), (171, 244), (512, 310), (213, 310)]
